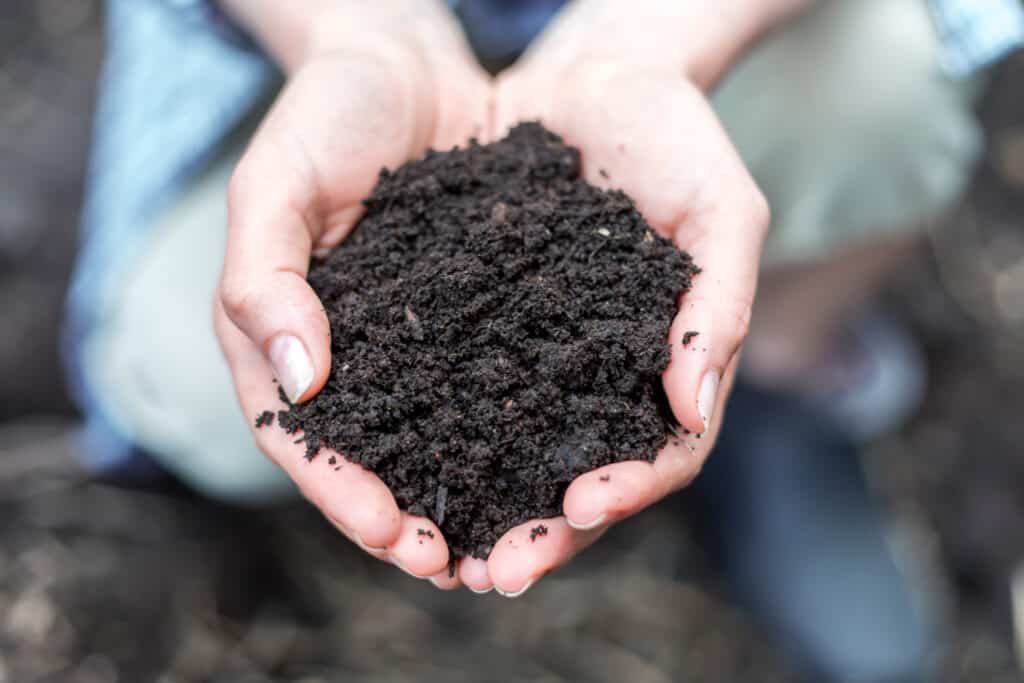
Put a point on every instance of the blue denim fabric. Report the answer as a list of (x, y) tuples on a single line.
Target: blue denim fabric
[(170, 90), (977, 33)]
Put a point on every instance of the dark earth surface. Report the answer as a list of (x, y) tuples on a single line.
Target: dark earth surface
[(101, 584), (498, 327)]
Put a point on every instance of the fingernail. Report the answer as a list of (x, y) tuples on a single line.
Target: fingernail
[(398, 564), (484, 591), (292, 365), (518, 592), (706, 396), (365, 548), (438, 586), (586, 526)]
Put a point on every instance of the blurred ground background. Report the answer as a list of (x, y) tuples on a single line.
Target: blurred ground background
[(100, 584)]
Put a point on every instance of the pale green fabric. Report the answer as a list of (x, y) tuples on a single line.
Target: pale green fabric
[(850, 126), (162, 376)]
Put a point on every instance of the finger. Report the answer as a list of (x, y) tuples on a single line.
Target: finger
[(444, 579), (347, 494), (300, 185), (350, 495), (420, 549), (271, 230), (604, 496), (474, 575), (608, 494), (378, 553), (518, 561), (714, 316)]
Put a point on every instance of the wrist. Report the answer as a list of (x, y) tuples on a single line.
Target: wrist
[(699, 38), (720, 33), (282, 33)]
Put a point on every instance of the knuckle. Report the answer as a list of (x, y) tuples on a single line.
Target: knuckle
[(737, 323), (236, 298), (694, 470), (742, 325), (680, 470), (263, 442), (217, 319), (238, 186), (761, 211)]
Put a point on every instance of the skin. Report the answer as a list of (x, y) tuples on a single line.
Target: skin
[(372, 85)]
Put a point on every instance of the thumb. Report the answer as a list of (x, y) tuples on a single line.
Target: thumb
[(714, 316), (272, 227)]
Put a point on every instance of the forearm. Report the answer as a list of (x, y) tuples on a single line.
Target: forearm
[(700, 38), (730, 28), (281, 30), (291, 32)]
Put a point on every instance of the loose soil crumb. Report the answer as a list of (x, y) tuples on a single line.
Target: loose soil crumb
[(605, 477), (539, 530), (425, 532), (264, 419), (498, 327), (688, 337)]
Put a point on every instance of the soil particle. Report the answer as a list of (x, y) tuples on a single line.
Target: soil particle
[(441, 502), (605, 477), (264, 419), (425, 532), (688, 337), (539, 530), (498, 327)]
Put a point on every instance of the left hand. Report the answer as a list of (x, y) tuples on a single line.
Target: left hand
[(648, 129), (369, 85)]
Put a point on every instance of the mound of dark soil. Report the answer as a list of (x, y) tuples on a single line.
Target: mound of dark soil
[(499, 326)]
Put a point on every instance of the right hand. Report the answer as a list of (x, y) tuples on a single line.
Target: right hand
[(374, 85)]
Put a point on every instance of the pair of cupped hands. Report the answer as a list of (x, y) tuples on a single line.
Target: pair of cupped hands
[(377, 87)]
